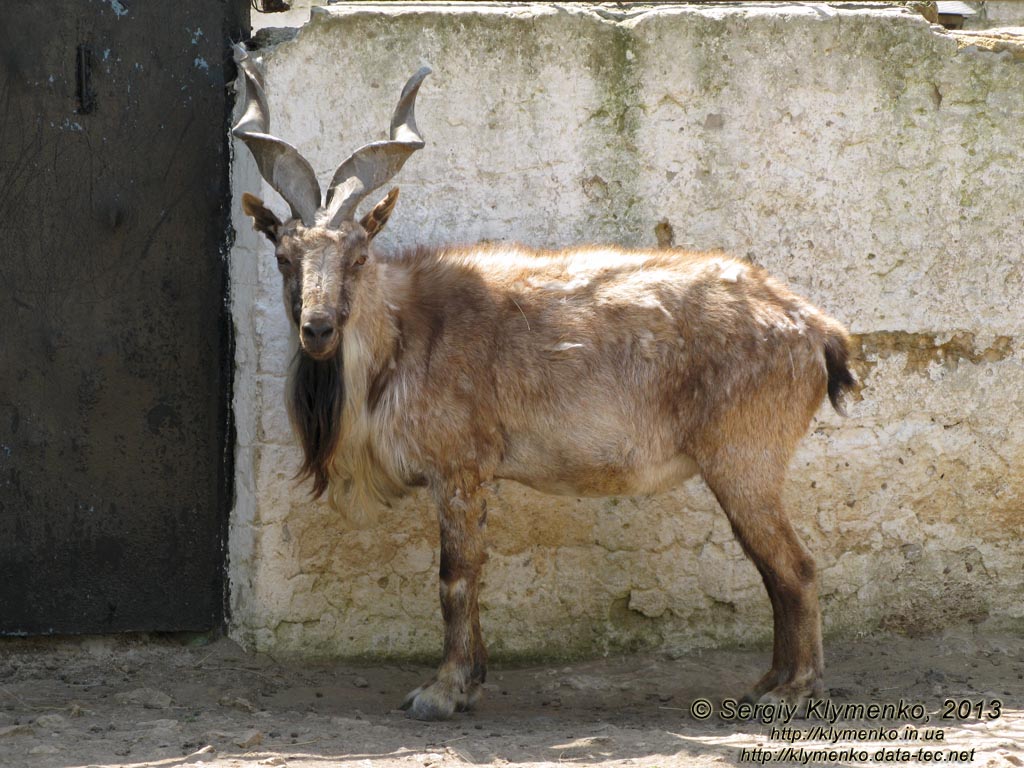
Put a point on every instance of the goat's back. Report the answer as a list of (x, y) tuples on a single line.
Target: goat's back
[(599, 370)]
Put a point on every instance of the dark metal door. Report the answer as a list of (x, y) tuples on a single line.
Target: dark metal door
[(115, 346)]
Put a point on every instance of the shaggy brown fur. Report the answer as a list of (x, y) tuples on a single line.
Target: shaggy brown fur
[(588, 371)]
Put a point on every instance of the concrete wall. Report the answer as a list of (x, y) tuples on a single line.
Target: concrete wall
[(1003, 13), (861, 155)]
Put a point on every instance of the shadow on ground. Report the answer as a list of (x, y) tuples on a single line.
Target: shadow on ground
[(132, 702)]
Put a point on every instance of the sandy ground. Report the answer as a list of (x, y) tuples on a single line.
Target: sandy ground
[(150, 702)]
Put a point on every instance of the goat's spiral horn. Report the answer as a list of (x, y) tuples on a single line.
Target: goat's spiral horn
[(376, 163), (279, 162)]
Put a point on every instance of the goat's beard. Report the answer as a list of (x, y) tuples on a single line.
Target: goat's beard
[(315, 400)]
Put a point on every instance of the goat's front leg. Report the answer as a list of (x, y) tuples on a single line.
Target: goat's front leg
[(462, 513)]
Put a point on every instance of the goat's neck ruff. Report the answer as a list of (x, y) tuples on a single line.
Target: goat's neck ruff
[(365, 471)]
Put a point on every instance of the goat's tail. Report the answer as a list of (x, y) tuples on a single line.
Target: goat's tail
[(837, 364)]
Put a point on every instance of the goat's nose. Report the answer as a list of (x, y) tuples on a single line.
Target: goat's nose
[(317, 329)]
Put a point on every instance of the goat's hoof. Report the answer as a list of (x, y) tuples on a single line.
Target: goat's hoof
[(435, 701), (795, 693), (468, 701)]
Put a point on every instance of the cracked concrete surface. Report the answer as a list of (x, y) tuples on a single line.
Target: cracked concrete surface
[(870, 160)]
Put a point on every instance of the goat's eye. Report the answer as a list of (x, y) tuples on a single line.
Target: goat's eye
[(360, 260)]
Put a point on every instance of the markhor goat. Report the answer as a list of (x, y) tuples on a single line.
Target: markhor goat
[(587, 371)]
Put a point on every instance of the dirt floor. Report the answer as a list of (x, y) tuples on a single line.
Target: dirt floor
[(146, 702)]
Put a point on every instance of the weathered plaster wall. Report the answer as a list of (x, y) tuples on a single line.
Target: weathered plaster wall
[(1004, 13), (860, 155)]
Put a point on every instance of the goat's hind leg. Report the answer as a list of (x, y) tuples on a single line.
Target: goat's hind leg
[(458, 683), (751, 500)]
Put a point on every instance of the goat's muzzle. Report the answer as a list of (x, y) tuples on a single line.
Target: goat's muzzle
[(319, 334)]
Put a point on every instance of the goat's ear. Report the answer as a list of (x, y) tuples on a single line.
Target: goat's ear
[(263, 219), (374, 221)]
